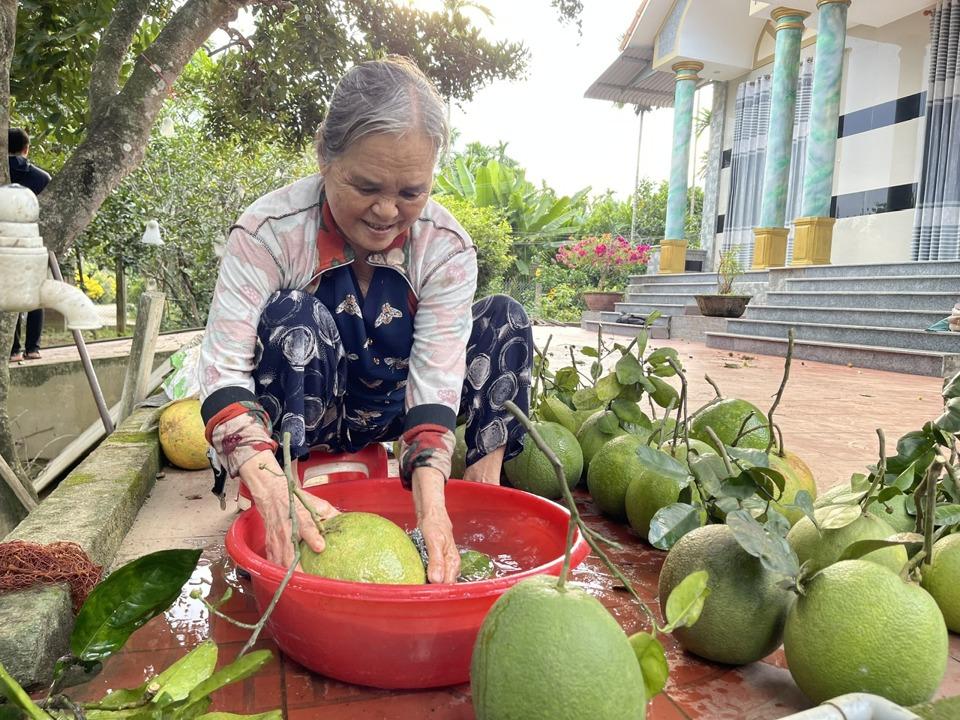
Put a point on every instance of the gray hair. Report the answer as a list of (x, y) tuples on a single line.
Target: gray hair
[(391, 95)]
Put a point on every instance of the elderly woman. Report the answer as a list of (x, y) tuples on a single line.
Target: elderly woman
[(344, 315)]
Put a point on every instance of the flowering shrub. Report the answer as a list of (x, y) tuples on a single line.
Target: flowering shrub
[(606, 260)]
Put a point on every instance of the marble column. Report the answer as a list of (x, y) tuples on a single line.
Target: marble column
[(711, 190), (673, 248), (770, 246), (814, 227)]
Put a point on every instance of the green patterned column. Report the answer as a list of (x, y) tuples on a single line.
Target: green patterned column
[(813, 239), (770, 244), (827, 76), (674, 248)]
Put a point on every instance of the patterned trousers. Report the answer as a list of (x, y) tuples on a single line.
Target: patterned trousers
[(301, 377)]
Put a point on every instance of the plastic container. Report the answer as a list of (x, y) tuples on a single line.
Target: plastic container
[(404, 636), (320, 468)]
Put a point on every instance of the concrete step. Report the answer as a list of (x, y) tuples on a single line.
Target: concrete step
[(914, 362), (884, 283), (658, 300), (871, 317), (614, 316), (907, 339), (657, 332), (935, 267), (675, 288), (932, 301), (696, 277), (641, 309)]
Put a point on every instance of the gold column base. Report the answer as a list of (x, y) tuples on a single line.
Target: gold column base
[(673, 256), (812, 240), (769, 247)]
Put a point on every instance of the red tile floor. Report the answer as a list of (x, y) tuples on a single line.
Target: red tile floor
[(828, 415)]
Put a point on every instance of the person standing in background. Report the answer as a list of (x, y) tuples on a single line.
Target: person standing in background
[(25, 173)]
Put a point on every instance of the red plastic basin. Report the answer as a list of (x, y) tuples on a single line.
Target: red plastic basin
[(404, 636)]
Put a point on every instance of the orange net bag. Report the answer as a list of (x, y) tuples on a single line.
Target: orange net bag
[(25, 564)]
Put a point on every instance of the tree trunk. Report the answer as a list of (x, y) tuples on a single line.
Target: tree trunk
[(11, 512), (120, 124)]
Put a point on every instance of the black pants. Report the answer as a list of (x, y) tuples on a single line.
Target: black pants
[(34, 328)]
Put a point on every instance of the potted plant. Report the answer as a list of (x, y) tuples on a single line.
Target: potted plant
[(725, 303), (607, 261)]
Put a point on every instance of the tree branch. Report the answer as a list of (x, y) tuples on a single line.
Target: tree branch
[(116, 41)]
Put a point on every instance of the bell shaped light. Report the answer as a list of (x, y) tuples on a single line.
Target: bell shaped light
[(151, 236)]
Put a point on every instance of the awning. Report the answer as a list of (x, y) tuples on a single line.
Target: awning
[(632, 81)]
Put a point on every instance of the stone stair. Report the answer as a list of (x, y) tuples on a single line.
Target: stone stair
[(672, 296), (870, 316)]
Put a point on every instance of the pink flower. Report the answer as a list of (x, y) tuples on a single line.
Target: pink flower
[(581, 252), (601, 249)]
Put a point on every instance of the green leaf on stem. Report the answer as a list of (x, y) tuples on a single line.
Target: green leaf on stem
[(904, 480), (651, 319), (608, 423), (608, 388), (952, 388), (671, 523), (18, 697), (860, 548), (629, 370), (663, 464), (860, 482), (772, 550), (685, 603), (709, 471), (803, 501), (127, 599), (588, 351), (567, 379), (653, 662), (239, 669), (586, 399), (888, 494), (659, 357), (629, 412), (757, 458), (835, 517), (643, 335), (596, 370), (949, 421), (946, 515)]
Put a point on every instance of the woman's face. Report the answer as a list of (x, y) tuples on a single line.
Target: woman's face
[(378, 187)]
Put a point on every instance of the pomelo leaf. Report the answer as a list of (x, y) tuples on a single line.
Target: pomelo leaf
[(663, 464), (659, 357), (949, 421), (740, 487), (769, 482), (18, 697), (629, 412), (589, 351), (643, 335), (608, 423), (653, 662), (664, 371), (946, 515), (629, 370), (653, 317), (913, 446), (686, 601), (773, 551), (860, 548), (846, 498), (567, 379), (905, 479), (803, 501), (949, 485), (859, 481), (596, 370), (834, 517), (888, 493), (952, 388), (608, 388), (127, 599), (757, 458), (671, 523), (777, 523), (555, 410), (586, 399), (709, 471), (239, 669)]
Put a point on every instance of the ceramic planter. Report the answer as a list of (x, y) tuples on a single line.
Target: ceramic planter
[(728, 306), (598, 301)]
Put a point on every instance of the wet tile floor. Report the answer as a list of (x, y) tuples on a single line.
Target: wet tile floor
[(696, 688)]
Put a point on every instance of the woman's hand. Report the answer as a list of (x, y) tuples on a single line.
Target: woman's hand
[(434, 523), (268, 486)]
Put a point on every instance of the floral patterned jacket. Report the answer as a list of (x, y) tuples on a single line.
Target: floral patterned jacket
[(280, 242)]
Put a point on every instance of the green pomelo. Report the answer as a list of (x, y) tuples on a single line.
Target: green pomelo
[(531, 650), (614, 466), (680, 451), (743, 616), (859, 628), (363, 547), (941, 578), (591, 437), (458, 463), (648, 492), (726, 418), (797, 476), (553, 409), (474, 566), (532, 471), (825, 547)]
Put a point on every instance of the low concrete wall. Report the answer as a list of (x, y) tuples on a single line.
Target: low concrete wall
[(51, 403), (94, 506), (695, 327)]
